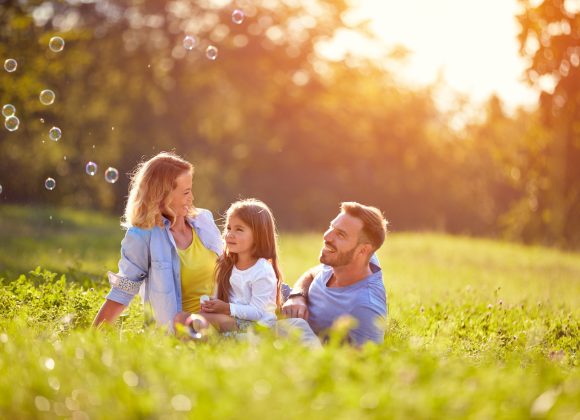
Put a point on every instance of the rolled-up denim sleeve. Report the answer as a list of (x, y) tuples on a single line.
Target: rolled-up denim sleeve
[(133, 268)]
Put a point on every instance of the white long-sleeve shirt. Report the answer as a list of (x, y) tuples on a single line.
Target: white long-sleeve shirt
[(253, 294)]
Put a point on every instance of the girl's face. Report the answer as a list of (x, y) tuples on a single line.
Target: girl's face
[(239, 236), (181, 198)]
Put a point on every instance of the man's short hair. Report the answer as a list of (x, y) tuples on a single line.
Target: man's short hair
[(374, 223)]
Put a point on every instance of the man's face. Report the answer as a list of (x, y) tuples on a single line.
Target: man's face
[(341, 240)]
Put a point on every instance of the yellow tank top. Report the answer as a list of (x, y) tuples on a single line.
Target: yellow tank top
[(197, 264)]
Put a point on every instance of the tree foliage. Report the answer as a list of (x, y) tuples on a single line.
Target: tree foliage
[(550, 39), (271, 117)]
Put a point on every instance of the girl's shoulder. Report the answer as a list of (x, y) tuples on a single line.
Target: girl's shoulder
[(264, 267)]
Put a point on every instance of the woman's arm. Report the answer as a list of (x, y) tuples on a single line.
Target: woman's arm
[(108, 313), (133, 270)]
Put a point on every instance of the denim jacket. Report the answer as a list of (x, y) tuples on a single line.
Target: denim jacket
[(150, 265)]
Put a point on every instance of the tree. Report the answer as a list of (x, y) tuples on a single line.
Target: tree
[(550, 39)]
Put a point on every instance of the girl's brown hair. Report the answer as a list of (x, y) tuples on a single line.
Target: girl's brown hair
[(151, 183), (260, 220)]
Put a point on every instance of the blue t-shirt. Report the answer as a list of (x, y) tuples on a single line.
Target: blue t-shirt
[(365, 300)]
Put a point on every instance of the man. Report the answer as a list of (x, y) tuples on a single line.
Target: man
[(349, 281)]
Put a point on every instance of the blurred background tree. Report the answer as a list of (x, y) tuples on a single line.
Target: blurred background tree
[(550, 39), (274, 118)]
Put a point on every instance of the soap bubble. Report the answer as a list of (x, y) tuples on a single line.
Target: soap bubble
[(238, 16), (91, 168), (8, 110), (10, 65), (56, 44), (50, 184), (48, 363), (46, 97), (12, 123), (197, 327), (211, 52), (55, 134), (111, 175), (189, 42)]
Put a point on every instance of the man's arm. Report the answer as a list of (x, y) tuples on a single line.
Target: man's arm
[(296, 305)]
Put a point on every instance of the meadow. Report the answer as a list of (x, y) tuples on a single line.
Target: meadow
[(477, 328)]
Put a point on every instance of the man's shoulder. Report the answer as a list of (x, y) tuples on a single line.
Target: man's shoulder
[(375, 283), (369, 293), (324, 272), (322, 276)]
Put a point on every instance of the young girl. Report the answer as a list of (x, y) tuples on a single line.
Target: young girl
[(247, 275), (170, 247)]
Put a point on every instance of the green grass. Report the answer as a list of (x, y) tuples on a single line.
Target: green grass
[(477, 329), (81, 244)]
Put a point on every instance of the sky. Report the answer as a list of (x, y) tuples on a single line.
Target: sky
[(471, 44)]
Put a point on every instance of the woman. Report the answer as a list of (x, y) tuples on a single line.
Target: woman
[(170, 248)]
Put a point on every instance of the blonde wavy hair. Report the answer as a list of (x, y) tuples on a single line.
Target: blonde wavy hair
[(151, 182)]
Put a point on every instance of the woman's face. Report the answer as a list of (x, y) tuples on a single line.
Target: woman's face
[(181, 198)]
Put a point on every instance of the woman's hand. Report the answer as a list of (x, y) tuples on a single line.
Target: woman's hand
[(108, 313), (215, 306)]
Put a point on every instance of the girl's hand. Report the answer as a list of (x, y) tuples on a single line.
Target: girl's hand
[(215, 306), (180, 318)]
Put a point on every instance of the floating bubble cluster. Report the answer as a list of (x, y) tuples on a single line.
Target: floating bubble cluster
[(46, 97), (56, 44), (111, 175), (49, 184), (55, 134), (91, 168), (10, 65), (12, 123), (8, 110), (211, 52)]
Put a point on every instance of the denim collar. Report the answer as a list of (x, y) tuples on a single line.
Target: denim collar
[(190, 220)]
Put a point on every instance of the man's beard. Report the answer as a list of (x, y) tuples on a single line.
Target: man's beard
[(339, 258)]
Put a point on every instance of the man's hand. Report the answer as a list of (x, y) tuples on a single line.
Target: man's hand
[(295, 307), (215, 306)]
